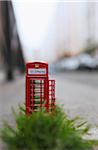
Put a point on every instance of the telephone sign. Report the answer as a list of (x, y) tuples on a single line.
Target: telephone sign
[(36, 71), (40, 91)]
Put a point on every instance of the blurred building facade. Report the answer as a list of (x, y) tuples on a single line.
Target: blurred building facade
[(50, 29)]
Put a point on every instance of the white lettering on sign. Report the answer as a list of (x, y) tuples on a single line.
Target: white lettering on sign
[(36, 71)]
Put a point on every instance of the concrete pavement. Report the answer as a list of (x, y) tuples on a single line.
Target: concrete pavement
[(77, 92)]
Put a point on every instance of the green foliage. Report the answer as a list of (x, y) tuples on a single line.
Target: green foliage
[(45, 131), (91, 48)]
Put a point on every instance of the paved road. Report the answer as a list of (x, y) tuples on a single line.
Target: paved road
[(78, 92), (11, 94)]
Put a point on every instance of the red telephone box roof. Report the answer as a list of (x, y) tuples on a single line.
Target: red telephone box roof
[(37, 69)]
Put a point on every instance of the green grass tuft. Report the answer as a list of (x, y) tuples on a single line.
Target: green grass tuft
[(46, 131)]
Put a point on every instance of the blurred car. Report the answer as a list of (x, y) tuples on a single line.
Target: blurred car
[(82, 61)]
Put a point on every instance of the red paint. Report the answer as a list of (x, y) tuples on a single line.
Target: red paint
[(40, 91)]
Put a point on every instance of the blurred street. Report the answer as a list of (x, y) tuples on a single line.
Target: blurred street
[(62, 34), (11, 94), (77, 91)]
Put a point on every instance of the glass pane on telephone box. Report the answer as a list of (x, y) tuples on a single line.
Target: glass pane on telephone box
[(36, 93)]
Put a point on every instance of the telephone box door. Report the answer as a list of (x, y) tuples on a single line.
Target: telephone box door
[(38, 96)]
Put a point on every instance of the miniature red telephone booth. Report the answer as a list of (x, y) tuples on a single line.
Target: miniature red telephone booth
[(40, 91)]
